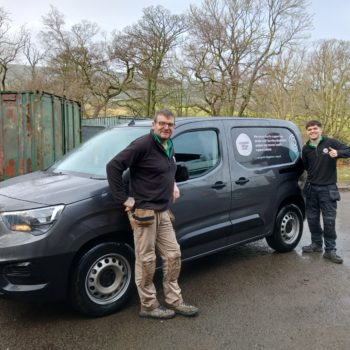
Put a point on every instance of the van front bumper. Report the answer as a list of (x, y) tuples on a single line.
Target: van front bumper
[(44, 279)]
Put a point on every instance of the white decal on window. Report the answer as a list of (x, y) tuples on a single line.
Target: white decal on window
[(244, 145)]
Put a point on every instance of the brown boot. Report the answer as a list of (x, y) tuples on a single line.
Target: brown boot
[(159, 312), (185, 309)]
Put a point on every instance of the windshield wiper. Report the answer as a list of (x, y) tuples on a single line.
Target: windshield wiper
[(97, 178), (54, 173)]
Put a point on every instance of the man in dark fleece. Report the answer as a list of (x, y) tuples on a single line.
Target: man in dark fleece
[(319, 155), (152, 187)]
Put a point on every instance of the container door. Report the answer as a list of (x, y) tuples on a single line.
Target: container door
[(16, 141)]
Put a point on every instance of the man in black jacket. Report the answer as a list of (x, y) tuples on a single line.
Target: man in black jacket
[(152, 187), (319, 157)]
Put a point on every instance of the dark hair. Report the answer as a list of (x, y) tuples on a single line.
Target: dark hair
[(165, 112), (313, 123)]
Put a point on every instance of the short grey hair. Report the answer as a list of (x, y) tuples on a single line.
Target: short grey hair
[(165, 112)]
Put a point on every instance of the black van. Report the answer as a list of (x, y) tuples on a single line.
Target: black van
[(62, 236)]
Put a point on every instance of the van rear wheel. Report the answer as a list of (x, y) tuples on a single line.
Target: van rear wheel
[(102, 281), (288, 229)]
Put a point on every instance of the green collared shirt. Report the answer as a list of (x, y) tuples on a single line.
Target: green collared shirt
[(169, 143), (312, 144)]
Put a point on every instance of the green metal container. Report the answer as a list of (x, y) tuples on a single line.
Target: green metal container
[(36, 129)]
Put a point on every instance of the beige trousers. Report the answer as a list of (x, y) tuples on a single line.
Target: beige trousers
[(157, 238)]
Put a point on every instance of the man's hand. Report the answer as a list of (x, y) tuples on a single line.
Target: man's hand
[(176, 193), (129, 204), (333, 152)]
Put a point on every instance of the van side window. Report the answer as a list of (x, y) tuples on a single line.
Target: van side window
[(263, 147), (199, 150)]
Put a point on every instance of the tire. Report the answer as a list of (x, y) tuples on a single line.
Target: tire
[(288, 229), (102, 281)]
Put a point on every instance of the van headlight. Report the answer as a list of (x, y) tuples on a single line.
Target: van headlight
[(34, 221)]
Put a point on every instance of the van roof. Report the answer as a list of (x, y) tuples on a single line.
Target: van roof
[(242, 120)]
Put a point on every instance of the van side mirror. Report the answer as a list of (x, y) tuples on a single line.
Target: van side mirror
[(181, 172)]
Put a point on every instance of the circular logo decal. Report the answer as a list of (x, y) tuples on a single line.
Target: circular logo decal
[(325, 150), (244, 145), (293, 145)]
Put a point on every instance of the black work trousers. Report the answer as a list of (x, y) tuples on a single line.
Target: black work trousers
[(322, 200)]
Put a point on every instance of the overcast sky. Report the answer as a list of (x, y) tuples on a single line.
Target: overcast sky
[(331, 17)]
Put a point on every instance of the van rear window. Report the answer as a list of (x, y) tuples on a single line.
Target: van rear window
[(262, 147)]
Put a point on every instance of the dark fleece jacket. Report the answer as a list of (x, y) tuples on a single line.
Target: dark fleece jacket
[(152, 174), (320, 166)]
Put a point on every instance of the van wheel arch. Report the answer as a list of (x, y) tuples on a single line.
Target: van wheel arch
[(102, 278), (288, 229)]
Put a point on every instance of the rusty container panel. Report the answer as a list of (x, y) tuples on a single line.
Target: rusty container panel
[(36, 129)]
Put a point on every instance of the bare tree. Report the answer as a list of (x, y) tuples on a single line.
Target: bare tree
[(11, 44), (327, 86), (231, 41), (34, 57), (152, 39), (61, 53), (87, 64), (279, 93)]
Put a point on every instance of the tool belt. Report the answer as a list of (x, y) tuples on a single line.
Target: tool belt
[(143, 217)]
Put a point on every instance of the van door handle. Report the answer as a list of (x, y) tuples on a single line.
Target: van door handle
[(242, 181), (218, 185)]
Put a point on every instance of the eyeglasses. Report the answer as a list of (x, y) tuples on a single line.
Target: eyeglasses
[(170, 125)]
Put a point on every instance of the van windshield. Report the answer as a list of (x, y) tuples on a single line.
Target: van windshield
[(93, 155)]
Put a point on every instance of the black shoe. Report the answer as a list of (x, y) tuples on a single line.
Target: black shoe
[(312, 248), (332, 256)]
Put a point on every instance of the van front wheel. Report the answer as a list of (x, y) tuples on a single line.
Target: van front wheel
[(102, 281), (288, 229)]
